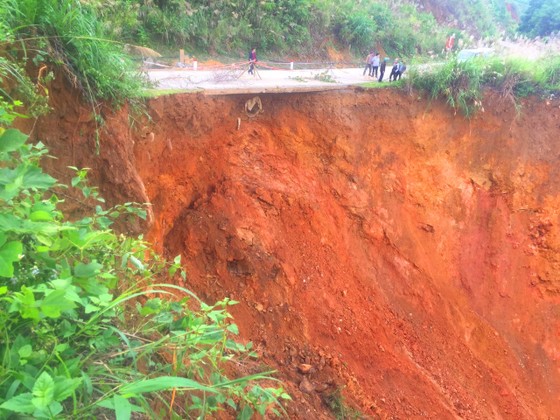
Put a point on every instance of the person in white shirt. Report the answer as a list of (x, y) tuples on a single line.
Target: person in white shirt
[(374, 65)]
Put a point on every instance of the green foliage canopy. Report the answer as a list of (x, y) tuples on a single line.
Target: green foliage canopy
[(541, 18)]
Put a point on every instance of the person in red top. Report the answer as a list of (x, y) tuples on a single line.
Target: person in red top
[(252, 60), (450, 42)]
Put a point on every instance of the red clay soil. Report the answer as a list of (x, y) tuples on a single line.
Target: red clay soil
[(409, 255)]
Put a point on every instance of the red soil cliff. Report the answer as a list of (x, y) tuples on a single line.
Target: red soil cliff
[(409, 255)]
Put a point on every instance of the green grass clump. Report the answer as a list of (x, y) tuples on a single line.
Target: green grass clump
[(67, 35), (513, 77), (461, 84), (548, 73)]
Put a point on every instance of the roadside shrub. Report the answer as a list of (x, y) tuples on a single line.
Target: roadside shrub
[(86, 330)]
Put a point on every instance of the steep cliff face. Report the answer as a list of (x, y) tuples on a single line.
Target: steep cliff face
[(409, 255)]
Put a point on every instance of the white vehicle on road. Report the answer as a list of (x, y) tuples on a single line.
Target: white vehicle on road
[(465, 55)]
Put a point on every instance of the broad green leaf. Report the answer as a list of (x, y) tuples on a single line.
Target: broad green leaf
[(40, 216), (55, 303), (110, 404), (24, 303), (233, 329), (11, 223), (61, 284), (11, 140), (49, 412), (25, 351), (60, 348), (89, 308), (43, 391), (13, 177), (9, 253), (163, 383), (3, 290), (20, 404), (87, 270), (47, 206), (246, 413), (83, 238), (63, 388), (123, 408), (34, 177)]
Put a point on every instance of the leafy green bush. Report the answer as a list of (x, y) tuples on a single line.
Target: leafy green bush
[(541, 18), (357, 30), (85, 330)]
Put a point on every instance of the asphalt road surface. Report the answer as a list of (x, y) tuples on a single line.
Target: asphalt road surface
[(230, 80)]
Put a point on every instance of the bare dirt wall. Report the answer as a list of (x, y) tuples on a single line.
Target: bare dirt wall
[(409, 255)]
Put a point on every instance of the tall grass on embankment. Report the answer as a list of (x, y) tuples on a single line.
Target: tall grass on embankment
[(461, 84), (69, 37)]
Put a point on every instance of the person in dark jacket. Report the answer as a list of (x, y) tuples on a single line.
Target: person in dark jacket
[(382, 68), (252, 60), (394, 70), (402, 69)]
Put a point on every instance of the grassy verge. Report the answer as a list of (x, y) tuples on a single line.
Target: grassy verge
[(461, 84)]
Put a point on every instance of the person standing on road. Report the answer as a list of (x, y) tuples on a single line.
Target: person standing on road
[(374, 65), (368, 63), (382, 68), (252, 60), (394, 70), (402, 69), (449, 44)]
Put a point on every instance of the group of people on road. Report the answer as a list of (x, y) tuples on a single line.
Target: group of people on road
[(397, 71), (376, 66), (372, 64)]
